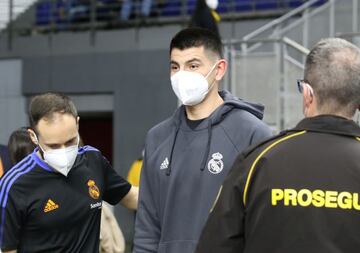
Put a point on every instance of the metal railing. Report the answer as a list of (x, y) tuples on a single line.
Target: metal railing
[(264, 65), (10, 10), (280, 26), (267, 76)]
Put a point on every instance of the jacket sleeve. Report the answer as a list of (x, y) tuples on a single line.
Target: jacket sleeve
[(12, 215), (147, 225), (224, 230), (116, 187)]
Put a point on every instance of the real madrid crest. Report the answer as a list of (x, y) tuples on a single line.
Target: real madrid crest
[(216, 165), (93, 189)]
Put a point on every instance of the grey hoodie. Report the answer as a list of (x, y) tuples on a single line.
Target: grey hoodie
[(183, 170)]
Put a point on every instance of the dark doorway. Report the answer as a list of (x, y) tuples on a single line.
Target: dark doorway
[(96, 129)]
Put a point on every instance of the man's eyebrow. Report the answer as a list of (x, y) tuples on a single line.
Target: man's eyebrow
[(187, 62), (193, 60), (72, 139), (55, 144)]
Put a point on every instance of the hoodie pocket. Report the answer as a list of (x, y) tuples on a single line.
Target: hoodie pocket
[(183, 246)]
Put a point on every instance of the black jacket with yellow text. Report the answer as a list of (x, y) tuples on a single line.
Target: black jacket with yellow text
[(297, 192)]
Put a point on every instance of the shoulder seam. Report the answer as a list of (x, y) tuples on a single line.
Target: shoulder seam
[(227, 135), (268, 148), (87, 148)]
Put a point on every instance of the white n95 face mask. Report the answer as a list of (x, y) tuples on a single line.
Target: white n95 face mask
[(191, 87), (61, 159)]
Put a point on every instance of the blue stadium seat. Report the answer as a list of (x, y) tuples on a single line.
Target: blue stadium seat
[(191, 6), (224, 6), (244, 5), (266, 5), (171, 8), (46, 13), (43, 10), (295, 3)]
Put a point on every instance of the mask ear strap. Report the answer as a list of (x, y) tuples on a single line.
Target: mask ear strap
[(78, 139), (211, 70), (41, 151), (211, 86), (213, 83), (36, 138)]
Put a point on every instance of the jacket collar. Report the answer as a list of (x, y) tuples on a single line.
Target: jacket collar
[(329, 124)]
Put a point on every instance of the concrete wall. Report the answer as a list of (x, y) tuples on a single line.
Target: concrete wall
[(149, 38), (12, 102)]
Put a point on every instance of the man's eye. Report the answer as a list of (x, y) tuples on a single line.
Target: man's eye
[(54, 146), (174, 68), (71, 142), (193, 66)]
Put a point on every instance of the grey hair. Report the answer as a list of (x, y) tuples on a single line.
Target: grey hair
[(332, 69)]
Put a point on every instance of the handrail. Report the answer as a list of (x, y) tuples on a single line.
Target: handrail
[(240, 41), (279, 20), (347, 35), (296, 45), (285, 40), (300, 21)]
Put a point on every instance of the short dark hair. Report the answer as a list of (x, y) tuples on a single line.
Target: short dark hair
[(45, 105), (20, 145), (197, 37)]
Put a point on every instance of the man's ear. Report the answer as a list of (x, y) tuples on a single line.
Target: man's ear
[(310, 102), (308, 95), (221, 69), (33, 136)]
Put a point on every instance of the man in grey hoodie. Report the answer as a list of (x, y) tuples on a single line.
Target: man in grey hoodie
[(188, 155)]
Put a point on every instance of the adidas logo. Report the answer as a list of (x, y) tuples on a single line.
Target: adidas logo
[(165, 164), (50, 206)]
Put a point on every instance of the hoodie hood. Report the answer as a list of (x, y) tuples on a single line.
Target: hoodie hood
[(230, 103)]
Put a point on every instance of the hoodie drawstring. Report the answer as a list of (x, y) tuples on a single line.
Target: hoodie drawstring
[(207, 150), (168, 171)]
